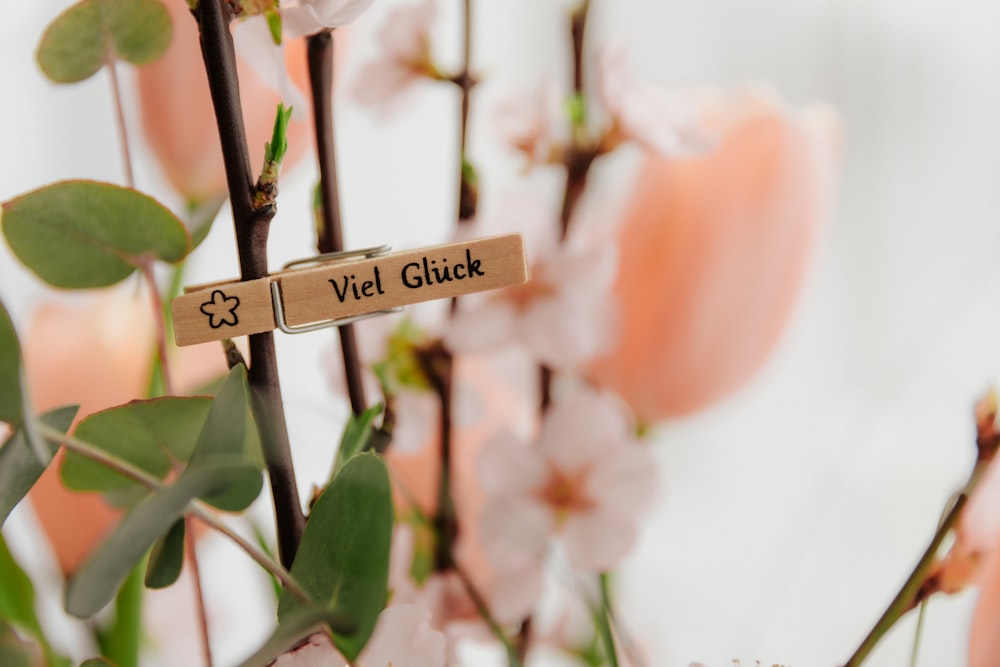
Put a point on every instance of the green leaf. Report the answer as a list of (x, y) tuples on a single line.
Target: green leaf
[(167, 558), (224, 438), (97, 662), (19, 467), (343, 559), (17, 593), (119, 641), (17, 604), (82, 234), (356, 435), (14, 652), (11, 397), (151, 435), (294, 626), (93, 33), (95, 583), (274, 150)]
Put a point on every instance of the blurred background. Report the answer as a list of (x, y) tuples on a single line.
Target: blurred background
[(789, 514)]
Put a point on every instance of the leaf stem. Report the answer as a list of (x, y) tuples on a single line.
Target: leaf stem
[(467, 186), (578, 161), (918, 633), (195, 507), (907, 596), (199, 593), (513, 659), (252, 228), (122, 131), (320, 54), (604, 622), (283, 576)]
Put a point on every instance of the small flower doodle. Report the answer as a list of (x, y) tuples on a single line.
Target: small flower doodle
[(221, 309)]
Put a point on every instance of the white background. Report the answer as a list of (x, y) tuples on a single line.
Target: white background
[(790, 514)]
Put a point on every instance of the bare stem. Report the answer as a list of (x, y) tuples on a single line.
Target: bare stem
[(513, 659), (320, 54), (467, 186), (252, 227), (907, 597), (122, 131), (207, 517), (199, 593), (85, 449), (604, 622)]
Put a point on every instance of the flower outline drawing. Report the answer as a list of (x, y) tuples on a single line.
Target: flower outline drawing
[(221, 309)]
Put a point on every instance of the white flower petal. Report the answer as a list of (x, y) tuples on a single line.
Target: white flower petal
[(515, 532), (597, 542), (403, 637), (583, 431), (508, 467), (482, 328)]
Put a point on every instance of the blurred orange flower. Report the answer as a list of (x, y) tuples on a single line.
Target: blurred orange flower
[(713, 250), (177, 115), (97, 354)]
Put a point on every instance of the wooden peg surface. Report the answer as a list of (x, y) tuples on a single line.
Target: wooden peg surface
[(350, 287)]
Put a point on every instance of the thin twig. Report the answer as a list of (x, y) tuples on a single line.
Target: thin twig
[(252, 227), (604, 617), (320, 55), (195, 507), (206, 516), (467, 187), (85, 449), (513, 659), (199, 593), (906, 598), (122, 131)]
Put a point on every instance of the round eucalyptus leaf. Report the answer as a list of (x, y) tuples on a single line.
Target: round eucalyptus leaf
[(83, 234), (93, 33)]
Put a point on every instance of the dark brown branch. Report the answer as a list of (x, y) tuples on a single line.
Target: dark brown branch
[(438, 366), (468, 188), (331, 237), (252, 227)]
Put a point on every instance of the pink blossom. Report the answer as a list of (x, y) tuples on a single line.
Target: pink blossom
[(586, 481), (663, 120), (402, 638), (563, 316), (442, 594), (405, 56), (530, 121), (307, 17)]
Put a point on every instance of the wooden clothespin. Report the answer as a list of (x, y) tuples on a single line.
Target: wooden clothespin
[(339, 288)]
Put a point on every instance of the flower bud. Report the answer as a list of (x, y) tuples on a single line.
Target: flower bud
[(713, 250)]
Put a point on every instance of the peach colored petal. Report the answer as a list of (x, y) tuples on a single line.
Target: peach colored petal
[(713, 249), (97, 353), (177, 112), (984, 635)]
